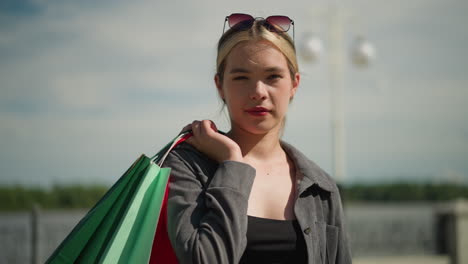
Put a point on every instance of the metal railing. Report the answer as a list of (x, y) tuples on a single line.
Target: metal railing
[(374, 230)]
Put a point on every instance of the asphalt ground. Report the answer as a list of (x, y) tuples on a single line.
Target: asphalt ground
[(436, 259)]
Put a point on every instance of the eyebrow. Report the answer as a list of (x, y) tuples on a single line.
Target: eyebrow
[(238, 70), (242, 70), (274, 69)]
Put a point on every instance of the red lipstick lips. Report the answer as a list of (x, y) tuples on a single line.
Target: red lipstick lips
[(258, 111)]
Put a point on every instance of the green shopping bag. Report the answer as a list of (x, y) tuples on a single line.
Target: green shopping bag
[(120, 228)]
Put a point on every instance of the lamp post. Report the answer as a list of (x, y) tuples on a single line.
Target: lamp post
[(362, 54)]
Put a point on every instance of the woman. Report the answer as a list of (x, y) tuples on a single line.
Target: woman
[(247, 196)]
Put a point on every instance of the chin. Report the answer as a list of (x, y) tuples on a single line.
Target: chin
[(261, 128)]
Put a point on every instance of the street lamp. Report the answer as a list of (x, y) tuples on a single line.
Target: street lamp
[(311, 48), (362, 54)]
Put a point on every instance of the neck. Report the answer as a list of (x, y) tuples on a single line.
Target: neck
[(257, 146)]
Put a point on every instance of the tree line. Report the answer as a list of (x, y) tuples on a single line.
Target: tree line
[(401, 192), (15, 198)]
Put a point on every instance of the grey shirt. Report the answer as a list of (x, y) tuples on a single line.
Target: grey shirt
[(207, 208)]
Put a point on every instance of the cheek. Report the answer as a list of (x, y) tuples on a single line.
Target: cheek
[(284, 99), (230, 98), (285, 104), (232, 92)]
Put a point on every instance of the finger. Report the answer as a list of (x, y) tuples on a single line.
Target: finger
[(206, 127), (196, 128), (190, 140), (213, 126), (193, 141), (186, 128), (209, 128)]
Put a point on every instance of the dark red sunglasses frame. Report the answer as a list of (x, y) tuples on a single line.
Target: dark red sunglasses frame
[(282, 23)]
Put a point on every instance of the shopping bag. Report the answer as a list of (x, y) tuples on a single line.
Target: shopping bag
[(121, 227)]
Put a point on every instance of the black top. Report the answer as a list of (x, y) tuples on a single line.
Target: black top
[(274, 241)]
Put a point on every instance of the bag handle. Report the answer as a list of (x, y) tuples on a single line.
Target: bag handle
[(160, 157)]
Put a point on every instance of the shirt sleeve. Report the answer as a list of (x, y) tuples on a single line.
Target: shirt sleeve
[(207, 221)]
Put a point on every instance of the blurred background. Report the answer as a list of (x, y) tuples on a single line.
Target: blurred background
[(86, 87)]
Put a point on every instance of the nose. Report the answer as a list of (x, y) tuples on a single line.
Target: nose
[(259, 91)]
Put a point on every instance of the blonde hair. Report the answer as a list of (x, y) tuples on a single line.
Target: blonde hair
[(258, 31)]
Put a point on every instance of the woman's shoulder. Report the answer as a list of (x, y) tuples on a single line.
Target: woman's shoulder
[(185, 151), (186, 155)]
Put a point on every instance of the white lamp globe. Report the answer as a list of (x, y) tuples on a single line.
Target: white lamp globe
[(311, 48), (363, 52)]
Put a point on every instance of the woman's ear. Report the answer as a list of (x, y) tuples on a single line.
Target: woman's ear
[(295, 84), (219, 86)]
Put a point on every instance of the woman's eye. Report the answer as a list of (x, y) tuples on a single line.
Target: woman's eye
[(239, 78), (274, 77)]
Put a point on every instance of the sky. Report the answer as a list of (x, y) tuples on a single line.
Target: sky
[(87, 86)]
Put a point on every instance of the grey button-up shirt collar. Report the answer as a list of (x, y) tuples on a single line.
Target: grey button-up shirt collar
[(310, 174)]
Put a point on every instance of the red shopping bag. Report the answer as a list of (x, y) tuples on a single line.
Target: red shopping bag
[(162, 251)]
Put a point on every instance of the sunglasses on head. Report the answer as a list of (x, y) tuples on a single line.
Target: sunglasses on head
[(273, 23)]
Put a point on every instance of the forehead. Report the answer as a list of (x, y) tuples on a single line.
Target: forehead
[(254, 55)]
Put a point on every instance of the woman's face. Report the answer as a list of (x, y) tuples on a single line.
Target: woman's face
[(257, 87)]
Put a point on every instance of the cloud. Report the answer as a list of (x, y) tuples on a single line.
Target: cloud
[(60, 149), (86, 86), (84, 57)]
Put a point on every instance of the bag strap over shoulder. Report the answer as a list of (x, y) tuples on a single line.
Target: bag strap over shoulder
[(162, 154)]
